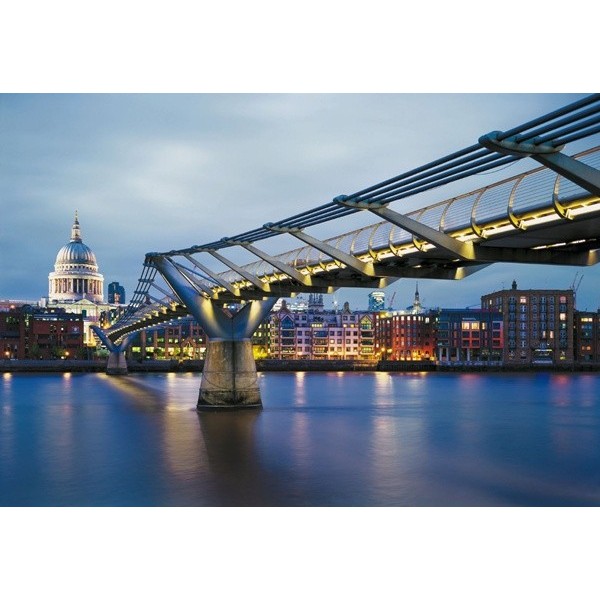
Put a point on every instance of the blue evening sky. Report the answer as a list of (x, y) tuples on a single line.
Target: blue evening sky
[(152, 172)]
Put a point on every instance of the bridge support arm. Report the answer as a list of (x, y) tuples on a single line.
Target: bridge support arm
[(193, 278), (476, 252), (364, 268), (255, 281), (454, 247), (280, 266), (583, 175), (222, 282)]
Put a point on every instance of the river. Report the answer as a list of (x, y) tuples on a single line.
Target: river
[(322, 439)]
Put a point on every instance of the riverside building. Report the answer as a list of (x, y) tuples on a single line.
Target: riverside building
[(403, 335), (537, 324), (587, 337), (406, 335), (182, 339), (29, 332), (469, 335), (317, 334)]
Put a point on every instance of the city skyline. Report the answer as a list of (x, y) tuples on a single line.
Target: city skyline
[(154, 172)]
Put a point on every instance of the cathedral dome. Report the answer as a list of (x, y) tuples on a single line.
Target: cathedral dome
[(75, 276), (75, 253)]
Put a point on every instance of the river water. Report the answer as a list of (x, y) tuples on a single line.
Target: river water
[(322, 439)]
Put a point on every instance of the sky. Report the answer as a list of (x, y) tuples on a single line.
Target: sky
[(153, 172)]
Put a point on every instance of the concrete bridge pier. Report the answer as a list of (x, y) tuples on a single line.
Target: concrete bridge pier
[(117, 363), (229, 379)]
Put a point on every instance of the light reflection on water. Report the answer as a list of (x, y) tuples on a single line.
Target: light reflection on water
[(322, 439)]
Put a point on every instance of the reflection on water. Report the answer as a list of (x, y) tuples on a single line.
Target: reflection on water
[(323, 439)]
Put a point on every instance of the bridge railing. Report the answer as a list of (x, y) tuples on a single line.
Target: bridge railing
[(524, 197)]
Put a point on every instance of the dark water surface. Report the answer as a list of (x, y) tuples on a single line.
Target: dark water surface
[(322, 439)]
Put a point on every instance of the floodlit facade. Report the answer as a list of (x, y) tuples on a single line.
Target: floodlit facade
[(405, 336), (75, 276), (76, 285), (321, 335)]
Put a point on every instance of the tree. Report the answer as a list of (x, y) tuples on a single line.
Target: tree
[(34, 351)]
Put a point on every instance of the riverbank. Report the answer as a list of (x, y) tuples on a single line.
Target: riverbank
[(196, 366)]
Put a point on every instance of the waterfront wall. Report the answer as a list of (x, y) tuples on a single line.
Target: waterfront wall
[(52, 366), (270, 365)]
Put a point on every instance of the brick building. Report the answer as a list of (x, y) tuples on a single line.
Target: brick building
[(538, 324), (33, 333), (586, 337), (469, 335), (404, 335)]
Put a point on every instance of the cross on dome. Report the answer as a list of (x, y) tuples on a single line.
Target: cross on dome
[(75, 230)]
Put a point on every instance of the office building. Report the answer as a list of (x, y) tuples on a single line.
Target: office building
[(116, 293)]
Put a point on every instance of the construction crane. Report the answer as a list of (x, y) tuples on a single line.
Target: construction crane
[(575, 285), (391, 304)]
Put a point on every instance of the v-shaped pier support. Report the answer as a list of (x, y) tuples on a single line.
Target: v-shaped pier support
[(117, 363), (229, 379)]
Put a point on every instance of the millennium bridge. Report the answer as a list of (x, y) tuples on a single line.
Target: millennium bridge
[(548, 215)]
